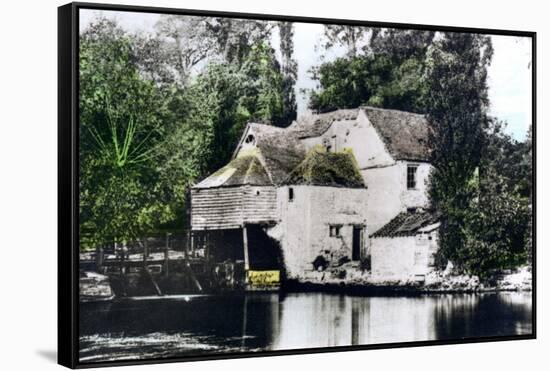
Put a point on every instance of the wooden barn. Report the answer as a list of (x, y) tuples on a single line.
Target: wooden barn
[(233, 208)]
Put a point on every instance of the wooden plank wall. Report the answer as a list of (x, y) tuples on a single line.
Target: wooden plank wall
[(231, 207), (260, 205)]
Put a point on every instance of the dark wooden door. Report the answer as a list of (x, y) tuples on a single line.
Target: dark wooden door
[(356, 244)]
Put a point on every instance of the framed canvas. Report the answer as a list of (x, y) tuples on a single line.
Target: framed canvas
[(237, 185)]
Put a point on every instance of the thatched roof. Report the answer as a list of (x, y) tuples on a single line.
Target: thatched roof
[(405, 134), (317, 124), (407, 224), (327, 169), (240, 171), (281, 152)]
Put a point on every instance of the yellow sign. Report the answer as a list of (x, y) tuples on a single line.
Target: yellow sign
[(264, 278)]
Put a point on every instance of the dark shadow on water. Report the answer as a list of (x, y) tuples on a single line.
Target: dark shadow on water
[(50, 355), (197, 325)]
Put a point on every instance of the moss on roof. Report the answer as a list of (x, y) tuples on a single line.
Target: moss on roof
[(245, 169), (327, 169), (280, 151)]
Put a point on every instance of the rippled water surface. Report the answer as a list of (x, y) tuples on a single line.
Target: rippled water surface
[(177, 326)]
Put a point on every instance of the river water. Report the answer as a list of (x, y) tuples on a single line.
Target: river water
[(187, 325)]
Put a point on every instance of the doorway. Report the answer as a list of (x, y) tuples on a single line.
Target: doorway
[(356, 243)]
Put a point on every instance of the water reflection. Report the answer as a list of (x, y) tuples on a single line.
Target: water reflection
[(184, 325)]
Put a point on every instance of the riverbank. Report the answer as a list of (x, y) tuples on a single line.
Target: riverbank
[(350, 279), (171, 273)]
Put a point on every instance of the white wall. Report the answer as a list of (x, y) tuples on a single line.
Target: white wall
[(402, 258), (417, 197), (384, 186), (388, 193), (304, 223), (359, 135), (386, 179)]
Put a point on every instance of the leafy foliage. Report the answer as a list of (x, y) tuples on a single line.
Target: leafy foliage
[(348, 36), (149, 128), (389, 74), (289, 71), (481, 176), (457, 105), (236, 95), (235, 37), (117, 147), (497, 225)]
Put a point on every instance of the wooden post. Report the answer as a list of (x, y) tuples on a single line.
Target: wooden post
[(246, 258), (99, 259), (145, 253), (121, 257), (191, 243), (146, 269), (166, 255), (145, 257), (187, 246), (245, 315), (122, 275), (192, 276)]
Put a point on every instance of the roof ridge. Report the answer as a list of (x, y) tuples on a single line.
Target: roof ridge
[(366, 107), (265, 124)]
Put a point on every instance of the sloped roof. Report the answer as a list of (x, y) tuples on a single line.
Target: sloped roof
[(240, 171), (407, 224), (327, 169), (315, 125), (405, 134), (281, 151)]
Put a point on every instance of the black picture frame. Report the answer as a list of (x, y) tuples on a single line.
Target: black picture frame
[(68, 187)]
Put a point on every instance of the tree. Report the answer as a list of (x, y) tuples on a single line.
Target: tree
[(400, 44), (374, 80), (349, 37), (235, 37), (128, 135), (391, 73), (186, 40), (237, 95), (289, 72), (264, 90), (497, 222), (457, 106)]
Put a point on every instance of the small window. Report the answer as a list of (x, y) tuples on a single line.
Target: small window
[(411, 176), (411, 210), (250, 139), (257, 192), (290, 194), (334, 230)]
